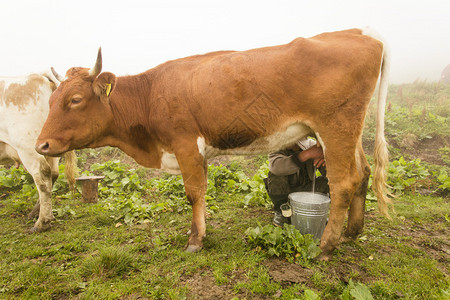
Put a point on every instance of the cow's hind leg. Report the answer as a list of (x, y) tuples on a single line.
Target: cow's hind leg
[(194, 170), (35, 211), (40, 170), (357, 205), (343, 181)]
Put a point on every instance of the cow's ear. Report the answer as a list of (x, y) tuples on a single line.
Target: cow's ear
[(104, 85)]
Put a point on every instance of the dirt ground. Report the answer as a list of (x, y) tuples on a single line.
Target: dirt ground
[(202, 285)]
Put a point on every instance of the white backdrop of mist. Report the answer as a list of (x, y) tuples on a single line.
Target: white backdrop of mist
[(138, 35)]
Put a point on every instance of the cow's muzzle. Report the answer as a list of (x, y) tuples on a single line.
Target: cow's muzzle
[(45, 149)]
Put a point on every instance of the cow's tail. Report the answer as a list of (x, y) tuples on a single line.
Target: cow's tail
[(70, 171), (379, 185)]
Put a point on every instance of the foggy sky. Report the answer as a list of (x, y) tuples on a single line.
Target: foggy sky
[(138, 35)]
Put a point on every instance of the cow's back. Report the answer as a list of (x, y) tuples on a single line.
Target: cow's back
[(265, 90)]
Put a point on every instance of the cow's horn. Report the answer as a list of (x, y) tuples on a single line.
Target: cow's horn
[(57, 76), (98, 65)]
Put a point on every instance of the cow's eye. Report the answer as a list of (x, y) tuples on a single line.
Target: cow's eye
[(76, 101)]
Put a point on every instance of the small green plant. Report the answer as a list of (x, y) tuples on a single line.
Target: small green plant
[(406, 175), (310, 295), (61, 212), (357, 291), (444, 180), (285, 242)]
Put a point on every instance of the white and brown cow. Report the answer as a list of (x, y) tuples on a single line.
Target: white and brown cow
[(23, 110), (178, 114)]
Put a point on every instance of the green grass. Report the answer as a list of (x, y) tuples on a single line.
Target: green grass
[(87, 255)]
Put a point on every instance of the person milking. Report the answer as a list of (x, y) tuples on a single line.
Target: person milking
[(293, 170)]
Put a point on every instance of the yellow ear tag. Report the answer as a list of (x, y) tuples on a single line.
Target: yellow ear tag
[(108, 89)]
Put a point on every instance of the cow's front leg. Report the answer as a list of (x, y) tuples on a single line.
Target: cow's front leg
[(194, 170), (54, 167), (39, 168)]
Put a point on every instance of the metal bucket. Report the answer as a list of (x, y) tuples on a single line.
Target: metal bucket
[(309, 212)]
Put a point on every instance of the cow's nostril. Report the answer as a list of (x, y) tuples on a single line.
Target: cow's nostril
[(43, 147)]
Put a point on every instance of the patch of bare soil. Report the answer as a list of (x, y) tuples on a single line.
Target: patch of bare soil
[(202, 285), (339, 269), (427, 150), (286, 273)]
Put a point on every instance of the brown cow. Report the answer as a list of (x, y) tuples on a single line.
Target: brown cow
[(178, 114)]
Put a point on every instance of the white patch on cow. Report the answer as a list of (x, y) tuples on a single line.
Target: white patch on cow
[(169, 163), (263, 145), (201, 145)]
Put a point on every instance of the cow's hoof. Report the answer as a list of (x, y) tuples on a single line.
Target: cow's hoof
[(34, 230), (193, 248), (37, 229)]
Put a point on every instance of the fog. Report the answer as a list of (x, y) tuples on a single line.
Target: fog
[(138, 35)]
